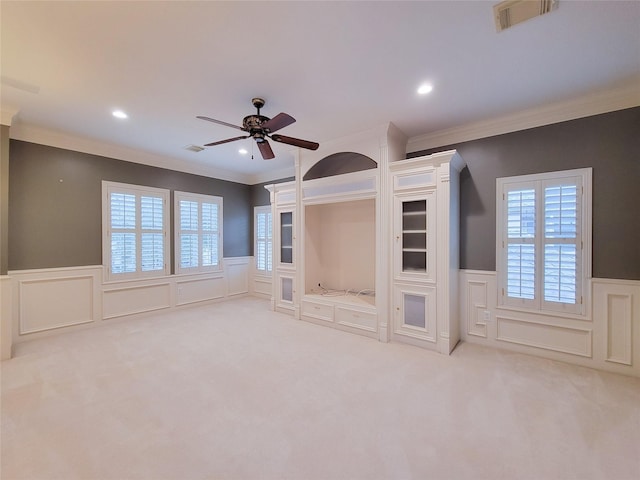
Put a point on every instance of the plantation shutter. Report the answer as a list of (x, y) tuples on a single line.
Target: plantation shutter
[(152, 241), (123, 233), (562, 243), (188, 234), (541, 258), (198, 232), (134, 231), (263, 253)]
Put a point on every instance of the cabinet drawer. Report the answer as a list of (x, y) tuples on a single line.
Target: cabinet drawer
[(320, 311), (357, 318)]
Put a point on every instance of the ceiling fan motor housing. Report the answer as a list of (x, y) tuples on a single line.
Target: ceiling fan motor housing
[(253, 123)]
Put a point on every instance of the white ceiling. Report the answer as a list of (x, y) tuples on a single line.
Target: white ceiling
[(337, 67)]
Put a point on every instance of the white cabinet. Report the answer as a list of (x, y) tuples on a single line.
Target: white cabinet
[(283, 210), (369, 245), (425, 250)]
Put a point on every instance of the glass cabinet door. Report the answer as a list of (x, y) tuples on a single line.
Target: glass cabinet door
[(414, 236), (415, 312), (286, 237), (286, 289)]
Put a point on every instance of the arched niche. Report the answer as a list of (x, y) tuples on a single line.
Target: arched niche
[(339, 163)]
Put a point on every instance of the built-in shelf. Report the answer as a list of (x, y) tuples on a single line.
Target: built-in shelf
[(414, 235)]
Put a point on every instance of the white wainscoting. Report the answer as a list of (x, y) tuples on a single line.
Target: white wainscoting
[(574, 341), (616, 310), (237, 275), (608, 339), (54, 298), (47, 301), (192, 290), (261, 285), (119, 300), (6, 317)]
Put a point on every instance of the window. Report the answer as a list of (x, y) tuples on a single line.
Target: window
[(544, 241), (135, 240), (198, 227), (263, 243)]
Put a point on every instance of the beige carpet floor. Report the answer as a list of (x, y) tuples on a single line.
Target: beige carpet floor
[(234, 391)]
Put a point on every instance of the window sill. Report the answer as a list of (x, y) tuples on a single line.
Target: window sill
[(547, 313)]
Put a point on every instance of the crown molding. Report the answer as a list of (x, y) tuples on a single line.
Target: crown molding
[(585, 106), (29, 133), (271, 176), (6, 115)]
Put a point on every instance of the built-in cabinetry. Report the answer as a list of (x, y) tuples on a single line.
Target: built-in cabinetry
[(372, 251), (338, 272), (283, 200), (425, 250)]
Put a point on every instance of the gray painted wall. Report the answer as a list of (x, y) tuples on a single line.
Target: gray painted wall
[(53, 223), (55, 204), (4, 199), (260, 195), (609, 143)]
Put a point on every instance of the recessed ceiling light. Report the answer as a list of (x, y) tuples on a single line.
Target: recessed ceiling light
[(119, 114), (243, 151), (424, 89)]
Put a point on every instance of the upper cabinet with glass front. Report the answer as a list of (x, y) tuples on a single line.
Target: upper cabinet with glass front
[(283, 204), (285, 220), (414, 239)]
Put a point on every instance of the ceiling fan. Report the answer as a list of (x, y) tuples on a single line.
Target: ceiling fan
[(260, 128)]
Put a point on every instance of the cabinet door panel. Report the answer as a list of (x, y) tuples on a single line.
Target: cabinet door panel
[(285, 291), (414, 233), (285, 237), (415, 312)]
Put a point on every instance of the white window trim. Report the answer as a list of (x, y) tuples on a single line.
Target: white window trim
[(138, 190), (262, 210), (200, 199), (581, 309)]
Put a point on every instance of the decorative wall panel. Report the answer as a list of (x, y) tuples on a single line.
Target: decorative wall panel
[(123, 301), (237, 274), (549, 337), (262, 286), (56, 302), (617, 315), (476, 305), (619, 328), (199, 290), (55, 298)]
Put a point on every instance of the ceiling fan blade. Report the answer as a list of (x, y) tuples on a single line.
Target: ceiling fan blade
[(220, 122), (279, 121), (296, 142), (225, 141), (265, 150)]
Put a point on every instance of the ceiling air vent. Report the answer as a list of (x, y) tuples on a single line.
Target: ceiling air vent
[(512, 12), (194, 148)]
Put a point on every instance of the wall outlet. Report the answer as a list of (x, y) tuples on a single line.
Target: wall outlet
[(486, 315)]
